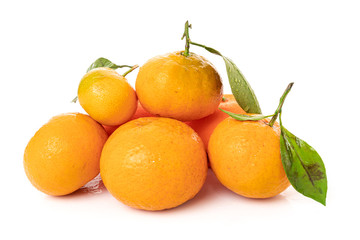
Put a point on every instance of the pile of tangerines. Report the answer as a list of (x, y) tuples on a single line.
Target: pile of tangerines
[(151, 146)]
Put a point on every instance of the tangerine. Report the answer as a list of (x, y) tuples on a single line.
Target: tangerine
[(107, 96), (180, 87), (153, 163), (64, 154), (245, 157)]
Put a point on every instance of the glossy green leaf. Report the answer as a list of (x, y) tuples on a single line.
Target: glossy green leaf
[(243, 117), (240, 87), (303, 166), (103, 62)]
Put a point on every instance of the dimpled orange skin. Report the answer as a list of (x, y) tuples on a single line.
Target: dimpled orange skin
[(140, 112), (153, 163), (64, 154), (245, 157), (107, 97), (205, 126), (179, 87)]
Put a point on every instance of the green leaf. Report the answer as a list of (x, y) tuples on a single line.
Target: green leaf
[(240, 87), (303, 166), (103, 62), (243, 117)]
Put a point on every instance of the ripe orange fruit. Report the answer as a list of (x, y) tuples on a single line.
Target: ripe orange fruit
[(140, 112), (64, 154), (153, 163), (205, 126), (107, 97), (245, 157), (175, 86)]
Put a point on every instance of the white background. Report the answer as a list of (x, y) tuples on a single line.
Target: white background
[(46, 47)]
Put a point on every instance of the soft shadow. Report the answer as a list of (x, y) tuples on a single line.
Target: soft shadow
[(280, 198), (212, 186), (213, 189)]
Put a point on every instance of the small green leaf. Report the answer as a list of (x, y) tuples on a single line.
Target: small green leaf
[(243, 117), (240, 87), (303, 166), (103, 62)]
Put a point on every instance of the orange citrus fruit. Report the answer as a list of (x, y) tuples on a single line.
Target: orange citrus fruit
[(140, 112), (175, 86), (245, 157), (107, 97), (205, 126), (153, 163), (64, 154)]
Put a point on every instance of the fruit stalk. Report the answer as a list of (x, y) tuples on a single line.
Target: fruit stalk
[(130, 70), (282, 99), (187, 38)]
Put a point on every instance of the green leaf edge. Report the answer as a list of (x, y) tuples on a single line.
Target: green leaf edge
[(104, 62), (244, 117), (283, 138), (238, 87), (251, 106)]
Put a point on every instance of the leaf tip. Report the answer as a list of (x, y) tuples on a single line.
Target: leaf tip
[(74, 100), (321, 200)]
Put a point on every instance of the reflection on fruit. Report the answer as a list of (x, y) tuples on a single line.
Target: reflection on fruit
[(153, 163), (107, 97), (64, 154), (179, 87), (245, 157)]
